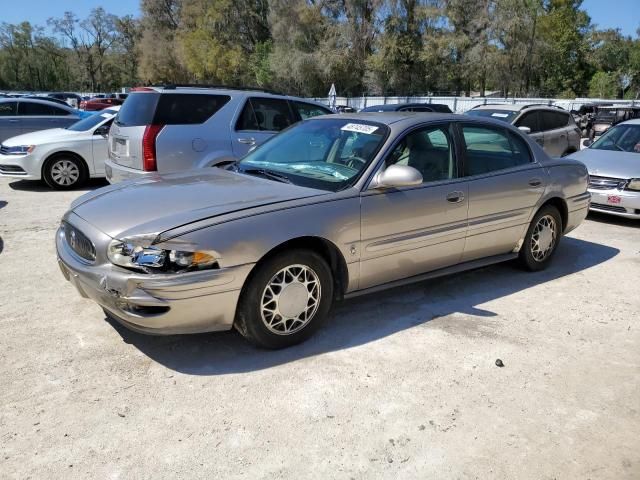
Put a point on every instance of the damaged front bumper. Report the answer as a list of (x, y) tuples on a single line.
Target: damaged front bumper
[(162, 304)]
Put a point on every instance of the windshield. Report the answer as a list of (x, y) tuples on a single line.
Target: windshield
[(504, 115), (325, 154), (91, 121), (622, 138)]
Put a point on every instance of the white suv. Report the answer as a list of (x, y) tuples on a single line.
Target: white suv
[(172, 128)]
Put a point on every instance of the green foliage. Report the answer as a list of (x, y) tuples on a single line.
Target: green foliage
[(604, 85), (384, 47)]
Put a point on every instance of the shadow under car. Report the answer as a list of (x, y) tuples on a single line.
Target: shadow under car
[(368, 318)]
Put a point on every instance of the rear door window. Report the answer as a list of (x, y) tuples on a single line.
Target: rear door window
[(8, 109), (553, 120), (308, 110), (490, 149), (265, 114), (37, 109)]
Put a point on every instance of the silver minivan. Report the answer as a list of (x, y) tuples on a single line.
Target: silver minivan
[(175, 128)]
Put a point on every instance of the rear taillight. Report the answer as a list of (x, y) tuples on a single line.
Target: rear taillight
[(151, 132)]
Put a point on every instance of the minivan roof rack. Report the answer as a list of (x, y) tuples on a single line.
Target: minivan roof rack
[(173, 86)]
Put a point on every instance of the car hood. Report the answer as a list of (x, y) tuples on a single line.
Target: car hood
[(609, 163), (159, 203), (42, 137)]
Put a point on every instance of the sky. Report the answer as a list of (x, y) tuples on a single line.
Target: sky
[(623, 14)]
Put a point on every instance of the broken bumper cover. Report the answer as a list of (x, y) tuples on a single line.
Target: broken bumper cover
[(161, 304)]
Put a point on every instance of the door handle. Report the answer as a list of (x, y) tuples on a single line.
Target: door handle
[(535, 182), (455, 197), (247, 141), (14, 121)]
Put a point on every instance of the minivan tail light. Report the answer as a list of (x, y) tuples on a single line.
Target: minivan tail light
[(149, 163)]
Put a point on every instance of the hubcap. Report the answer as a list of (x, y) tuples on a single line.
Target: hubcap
[(290, 299), (65, 172), (543, 238)]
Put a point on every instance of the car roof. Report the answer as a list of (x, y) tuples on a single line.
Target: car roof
[(510, 107), (231, 91), (634, 121), (35, 100), (389, 107), (389, 118)]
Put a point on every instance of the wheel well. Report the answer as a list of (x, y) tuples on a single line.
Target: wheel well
[(561, 205), (326, 249), (53, 156)]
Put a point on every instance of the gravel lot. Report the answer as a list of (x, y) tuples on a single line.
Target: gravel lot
[(401, 384)]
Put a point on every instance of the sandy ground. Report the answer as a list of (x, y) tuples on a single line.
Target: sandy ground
[(397, 385)]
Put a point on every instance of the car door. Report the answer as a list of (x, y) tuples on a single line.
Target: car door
[(259, 120), (9, 120), (505, 183), (531, 120), (36, 116), (100, 145), (553, 126), (411, 230)]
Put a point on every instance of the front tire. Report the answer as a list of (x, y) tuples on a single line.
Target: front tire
[(542, 239), (286, 300), (64, 172)]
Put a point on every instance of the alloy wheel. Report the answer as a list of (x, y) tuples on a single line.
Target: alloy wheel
[(65, 172), (290, 299), (544, 237)]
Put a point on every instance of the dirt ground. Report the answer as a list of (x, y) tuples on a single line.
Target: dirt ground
[(401, 384)]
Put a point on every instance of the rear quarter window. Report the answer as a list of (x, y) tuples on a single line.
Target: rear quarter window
[(141, 109)]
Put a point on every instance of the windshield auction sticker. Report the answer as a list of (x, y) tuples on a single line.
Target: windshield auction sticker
[(359, 127), (500, 115)]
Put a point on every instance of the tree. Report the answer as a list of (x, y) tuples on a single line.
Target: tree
[(603, 85), (90, 39)]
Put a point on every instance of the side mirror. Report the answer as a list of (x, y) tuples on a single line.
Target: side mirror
[(397, 176), (587, 142), (102, 130), (526, 130)]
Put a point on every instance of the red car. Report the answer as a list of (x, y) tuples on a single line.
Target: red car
[(100, 103)]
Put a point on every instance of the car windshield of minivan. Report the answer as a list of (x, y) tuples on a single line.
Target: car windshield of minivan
[(91, 121), (621, 138), (504, 115), (324, 154)]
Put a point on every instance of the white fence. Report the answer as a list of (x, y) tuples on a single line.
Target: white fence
[(462, 104)]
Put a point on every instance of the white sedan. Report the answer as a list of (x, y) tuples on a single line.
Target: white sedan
[(63, 157)]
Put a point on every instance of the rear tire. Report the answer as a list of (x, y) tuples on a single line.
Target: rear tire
[(65, 172), (285, 300), (542, 239)]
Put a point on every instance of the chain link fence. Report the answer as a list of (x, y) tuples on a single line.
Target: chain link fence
[(462, 104)]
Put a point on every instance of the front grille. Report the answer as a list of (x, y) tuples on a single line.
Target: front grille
[(4, 150), (606, 183), (79, 242), (11, 169), (608, 208)]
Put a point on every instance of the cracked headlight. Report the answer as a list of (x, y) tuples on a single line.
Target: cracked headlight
[(153, 259)]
